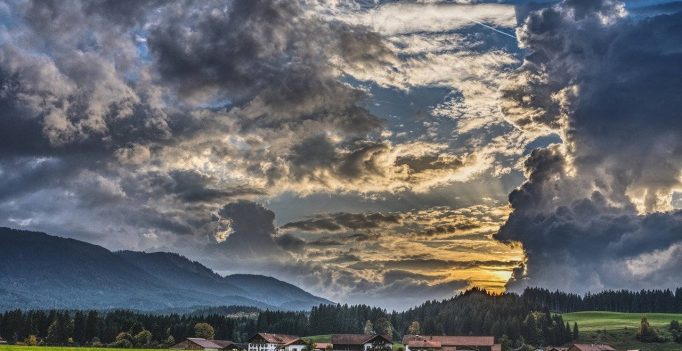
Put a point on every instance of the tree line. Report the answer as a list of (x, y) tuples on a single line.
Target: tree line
[(651, 301), (507, 317), (513, 319)]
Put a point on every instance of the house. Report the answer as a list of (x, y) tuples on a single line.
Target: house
[(2, 341), (361, 342), (591, 347), (208, 345), (323, 346), (273, 342), (450, 343)]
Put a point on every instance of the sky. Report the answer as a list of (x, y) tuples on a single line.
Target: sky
[(379, 152)]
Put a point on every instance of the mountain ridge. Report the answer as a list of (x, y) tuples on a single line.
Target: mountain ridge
[(38, 270)]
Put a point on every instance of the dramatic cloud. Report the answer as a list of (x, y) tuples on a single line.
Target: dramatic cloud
[(596, 211), (352, 147)]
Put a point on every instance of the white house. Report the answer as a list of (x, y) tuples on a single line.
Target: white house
[(275, 342)]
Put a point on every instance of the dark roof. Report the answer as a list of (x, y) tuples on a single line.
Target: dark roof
[(207, 344), (356, 339), (452, 340), (594, 347), (216, 344), (282, 339), (230, 344)]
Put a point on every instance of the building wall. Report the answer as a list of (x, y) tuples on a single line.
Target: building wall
[(365, 347), (262, 347), (342, 347), (295, 348)]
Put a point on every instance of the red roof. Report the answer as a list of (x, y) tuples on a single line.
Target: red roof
[(357, 339), (322, 345), (592, 347), (452, 340), (281, 339), (424, 344)]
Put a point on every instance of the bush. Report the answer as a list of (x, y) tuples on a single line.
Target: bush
[(122, 344)]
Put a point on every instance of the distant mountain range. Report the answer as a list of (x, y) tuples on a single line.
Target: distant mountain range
[(40, 271)]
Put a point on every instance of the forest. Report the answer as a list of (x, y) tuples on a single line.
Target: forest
[(529, 318)]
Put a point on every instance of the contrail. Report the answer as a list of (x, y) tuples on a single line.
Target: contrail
[(493, 28)]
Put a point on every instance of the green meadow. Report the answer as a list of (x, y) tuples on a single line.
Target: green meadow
[(595, 320), (618, 329)]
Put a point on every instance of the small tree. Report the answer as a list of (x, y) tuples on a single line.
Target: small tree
[(414, 328), (576, 333), (31, 340), (369, 328), (170, 341), (646, 333), (383, 326), (143, 338), (57, 333), (675, 331), (204, 330), (96, 342)]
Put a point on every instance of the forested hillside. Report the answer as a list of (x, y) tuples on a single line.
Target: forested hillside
[(44, 271)]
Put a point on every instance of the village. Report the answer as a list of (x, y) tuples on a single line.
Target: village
[(363, 342)]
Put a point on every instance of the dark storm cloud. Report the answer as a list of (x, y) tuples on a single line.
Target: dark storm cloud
[(255, 55), (588, 215), (252, 229)]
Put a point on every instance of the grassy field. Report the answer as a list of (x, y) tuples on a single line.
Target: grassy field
[(619, 329), (592, 321)]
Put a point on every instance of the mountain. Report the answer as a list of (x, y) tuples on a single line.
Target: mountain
[(43, 271)]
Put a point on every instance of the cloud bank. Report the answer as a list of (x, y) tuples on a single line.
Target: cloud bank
[(596, 210)]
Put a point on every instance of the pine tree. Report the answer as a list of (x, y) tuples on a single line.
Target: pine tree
[(576, 333), (79, 328)]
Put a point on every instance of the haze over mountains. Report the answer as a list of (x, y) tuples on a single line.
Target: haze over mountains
[(41, 271)]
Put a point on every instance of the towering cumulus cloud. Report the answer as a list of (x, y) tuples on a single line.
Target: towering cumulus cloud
[(596, 211)]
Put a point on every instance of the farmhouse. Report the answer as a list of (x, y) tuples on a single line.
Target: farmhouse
[(273, 342), (450, 343), (208, 345), (2, 341), (591, 347), (361, 342), (323, 346)]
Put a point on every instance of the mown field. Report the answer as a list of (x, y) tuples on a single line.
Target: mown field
[(591, 321)]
